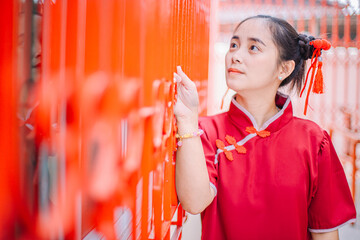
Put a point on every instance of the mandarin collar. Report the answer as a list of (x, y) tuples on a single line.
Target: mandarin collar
[(240, 116)]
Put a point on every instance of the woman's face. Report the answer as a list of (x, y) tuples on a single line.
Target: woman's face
[(36, 48), (252, 60)]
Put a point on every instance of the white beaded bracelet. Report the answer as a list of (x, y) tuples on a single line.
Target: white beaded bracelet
[(188, 135)]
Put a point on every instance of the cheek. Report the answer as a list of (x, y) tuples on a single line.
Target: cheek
[(265, 64), (228, 59)]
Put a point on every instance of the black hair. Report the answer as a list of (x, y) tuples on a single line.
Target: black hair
[(38, 7), (291, 46)]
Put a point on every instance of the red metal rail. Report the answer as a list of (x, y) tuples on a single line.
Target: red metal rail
[(100, 124)]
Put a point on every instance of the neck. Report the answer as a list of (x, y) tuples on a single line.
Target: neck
[(261, 107)]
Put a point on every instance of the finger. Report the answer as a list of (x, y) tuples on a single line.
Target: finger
[(185, 79), (179, 85), (177, 89), (177, 78)]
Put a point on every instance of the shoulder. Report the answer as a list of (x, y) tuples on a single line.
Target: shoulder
[(212, 124), (307, 126), (307, 129), (212, 121)]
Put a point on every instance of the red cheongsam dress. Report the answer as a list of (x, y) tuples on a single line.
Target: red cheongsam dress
[(282, 180)]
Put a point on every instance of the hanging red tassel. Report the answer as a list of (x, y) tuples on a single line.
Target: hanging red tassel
[(312, 67), (319, 82), (316, 64)]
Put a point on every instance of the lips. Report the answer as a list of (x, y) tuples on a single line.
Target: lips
[(37, 65), (234, 70)]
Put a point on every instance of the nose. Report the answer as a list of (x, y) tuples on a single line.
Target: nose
[(36, 52), (237, 56), (37, 47)]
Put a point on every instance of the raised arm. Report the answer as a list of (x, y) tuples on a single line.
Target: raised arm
[(191, 176)]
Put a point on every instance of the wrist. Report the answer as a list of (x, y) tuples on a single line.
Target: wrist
[(187, 126), (187, 119), (180, 138)]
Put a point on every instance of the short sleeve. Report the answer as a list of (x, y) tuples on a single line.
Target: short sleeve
[(332, 205), (209, 152)]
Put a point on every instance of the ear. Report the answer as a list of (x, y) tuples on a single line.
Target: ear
[(286, 68)]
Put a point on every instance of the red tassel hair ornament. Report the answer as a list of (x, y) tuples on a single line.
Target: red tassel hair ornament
[(316, 81)]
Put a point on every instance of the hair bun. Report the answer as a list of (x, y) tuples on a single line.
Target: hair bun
[(306, 50)]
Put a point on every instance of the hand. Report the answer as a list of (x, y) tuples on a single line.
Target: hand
[(186, 107)]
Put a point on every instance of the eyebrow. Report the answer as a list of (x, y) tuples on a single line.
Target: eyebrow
[(251, 39)]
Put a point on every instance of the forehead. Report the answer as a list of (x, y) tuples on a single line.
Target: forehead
[(254, 28)]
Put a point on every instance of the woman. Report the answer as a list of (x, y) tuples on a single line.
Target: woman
[(258, 172)]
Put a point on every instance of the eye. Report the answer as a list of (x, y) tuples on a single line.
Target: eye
[(233, 45), (254, 48)]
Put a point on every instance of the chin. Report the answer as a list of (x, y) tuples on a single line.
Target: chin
[(234, 88), (235, 85), (35, 74)]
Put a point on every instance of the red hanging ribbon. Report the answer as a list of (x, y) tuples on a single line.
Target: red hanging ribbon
[(317, 84)]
